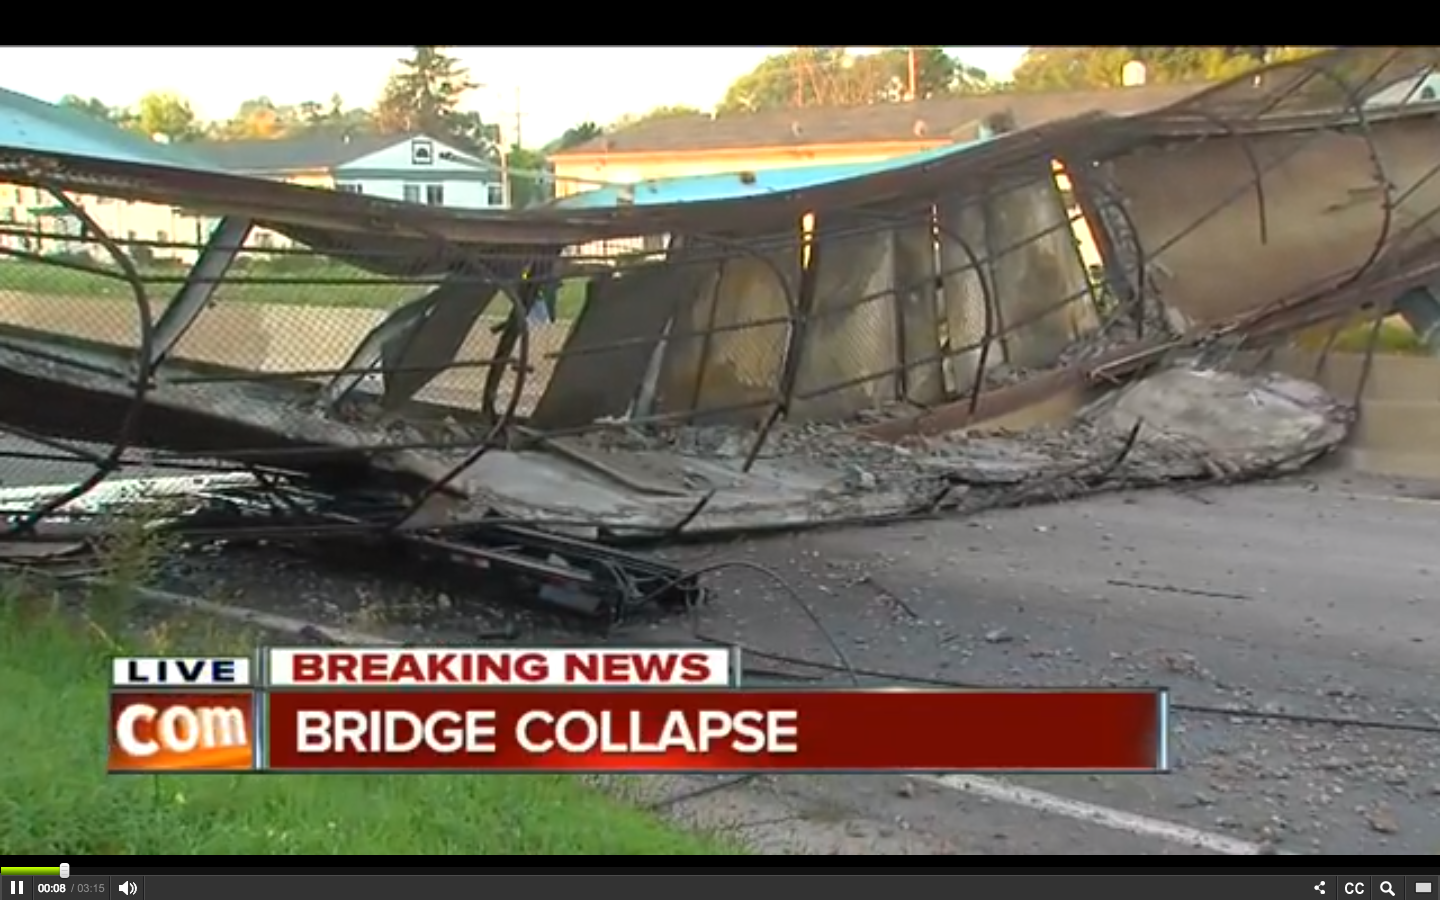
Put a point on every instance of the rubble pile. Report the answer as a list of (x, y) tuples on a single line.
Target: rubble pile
[(1178, 424)]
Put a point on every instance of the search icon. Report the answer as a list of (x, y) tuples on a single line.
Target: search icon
[(1387, 888)]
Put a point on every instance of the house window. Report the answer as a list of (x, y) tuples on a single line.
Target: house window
[(422, 153), (495, 194), (162, 237), (131, 237), (349, 187), (435, 194), (412, 193)]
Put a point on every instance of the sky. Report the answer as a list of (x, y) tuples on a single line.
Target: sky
[(557, 86)]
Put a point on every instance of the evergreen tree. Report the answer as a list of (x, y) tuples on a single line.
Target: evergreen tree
[(424, 96)]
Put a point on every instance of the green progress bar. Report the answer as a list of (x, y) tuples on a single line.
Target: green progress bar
[(29, 870)]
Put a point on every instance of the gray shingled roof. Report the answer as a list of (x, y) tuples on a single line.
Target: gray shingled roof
[(920, 120), (304, 153)]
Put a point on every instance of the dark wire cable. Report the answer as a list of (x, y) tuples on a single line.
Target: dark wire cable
[(791, 593)]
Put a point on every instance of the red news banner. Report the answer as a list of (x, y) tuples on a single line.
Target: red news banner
[(593, 710)]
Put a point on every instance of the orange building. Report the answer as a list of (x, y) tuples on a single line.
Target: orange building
[(709, 145)]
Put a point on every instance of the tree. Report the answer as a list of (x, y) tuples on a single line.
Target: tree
[(837, 76), (773, 84), (659, 112), (256, 119), (92, 107), (1076, 68), (668, 112), (310, 113), (345, 119), (424, 96), (937, 74), (166, 114), (261, 118), (530, 181), (574, 136), (472, 133)]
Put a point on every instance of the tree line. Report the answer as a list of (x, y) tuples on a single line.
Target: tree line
[(838, 76), (425, 94), (1077, 68), (427, 90)]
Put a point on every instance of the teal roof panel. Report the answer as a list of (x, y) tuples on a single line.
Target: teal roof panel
[(735, 185), (34, 125)]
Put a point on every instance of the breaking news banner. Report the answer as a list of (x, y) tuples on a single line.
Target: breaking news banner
[(592, 710), (511, 667), (192, 714), (716, 731)]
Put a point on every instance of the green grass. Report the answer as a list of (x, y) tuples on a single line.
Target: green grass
[(282, 280), (55, 797)]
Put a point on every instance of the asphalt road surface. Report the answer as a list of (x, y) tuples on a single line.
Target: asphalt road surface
[(1275, 613), (1303, 599)]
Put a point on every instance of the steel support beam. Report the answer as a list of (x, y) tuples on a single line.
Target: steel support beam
[(415, 343), (225, 244), (368, 358)]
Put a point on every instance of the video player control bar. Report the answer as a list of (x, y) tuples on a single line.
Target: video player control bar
[(297, 886), (1376, 887), (65, 886)]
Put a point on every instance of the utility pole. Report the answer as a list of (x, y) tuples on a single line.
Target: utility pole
[(518, 116), (800, 63), (504, 176), (910, 95), (506, 194)]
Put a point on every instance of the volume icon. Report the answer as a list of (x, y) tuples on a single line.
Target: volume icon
[(128, 887)]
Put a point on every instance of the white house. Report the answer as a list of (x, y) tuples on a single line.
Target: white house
[(409, 168), (1416, 89), (412, 168)]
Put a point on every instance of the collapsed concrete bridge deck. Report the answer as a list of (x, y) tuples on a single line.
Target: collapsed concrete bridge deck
[(739, 377)]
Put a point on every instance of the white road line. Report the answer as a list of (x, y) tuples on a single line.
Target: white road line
[(1104, 816), (1387, 498)]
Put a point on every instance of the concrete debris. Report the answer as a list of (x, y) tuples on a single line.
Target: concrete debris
[(950, 332), (1209, 422), (1195, 424)]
